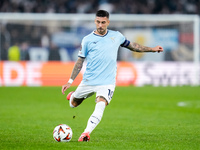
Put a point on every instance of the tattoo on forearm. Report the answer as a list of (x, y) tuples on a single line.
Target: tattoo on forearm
[(139, 48), (77, 68)]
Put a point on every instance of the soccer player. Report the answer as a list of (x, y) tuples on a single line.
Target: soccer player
[(100, 49)]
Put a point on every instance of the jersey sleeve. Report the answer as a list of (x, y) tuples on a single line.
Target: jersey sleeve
[(124, 41), (83, 50)]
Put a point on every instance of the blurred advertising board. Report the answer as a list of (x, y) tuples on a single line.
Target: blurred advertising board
[(55, 73)]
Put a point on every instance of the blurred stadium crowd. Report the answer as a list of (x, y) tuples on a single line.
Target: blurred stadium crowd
[(113, 6), (16, 39)]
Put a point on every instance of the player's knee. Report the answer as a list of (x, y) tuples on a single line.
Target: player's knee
[(101, 98), (76, 102), (71, 105)]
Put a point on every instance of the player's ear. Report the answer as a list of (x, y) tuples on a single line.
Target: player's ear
[(108, 21)]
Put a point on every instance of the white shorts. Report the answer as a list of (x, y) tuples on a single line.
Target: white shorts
[(85, 91)]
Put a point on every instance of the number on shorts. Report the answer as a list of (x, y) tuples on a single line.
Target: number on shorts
[(110, 94)]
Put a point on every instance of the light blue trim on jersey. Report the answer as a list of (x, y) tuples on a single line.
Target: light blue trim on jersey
[(101, 56)]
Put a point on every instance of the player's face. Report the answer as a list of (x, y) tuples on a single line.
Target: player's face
[(101, 25)]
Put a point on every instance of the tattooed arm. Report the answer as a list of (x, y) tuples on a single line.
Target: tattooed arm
[(139, 48), (77, 68)]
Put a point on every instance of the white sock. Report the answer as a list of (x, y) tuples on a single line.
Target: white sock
[(70, 101), (96, 116)]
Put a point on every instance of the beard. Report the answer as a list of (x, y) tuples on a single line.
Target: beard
[(101, 31)]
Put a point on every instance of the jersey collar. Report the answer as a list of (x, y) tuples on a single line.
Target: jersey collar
[(100, 35)]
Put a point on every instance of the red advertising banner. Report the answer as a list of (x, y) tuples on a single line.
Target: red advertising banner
[(56, 73), (36, 73), (53, 73)]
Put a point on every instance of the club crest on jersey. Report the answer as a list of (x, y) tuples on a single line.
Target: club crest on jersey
[(113, 39)]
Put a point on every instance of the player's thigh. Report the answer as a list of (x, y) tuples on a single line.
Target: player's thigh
[(106, 91), (83, 91)]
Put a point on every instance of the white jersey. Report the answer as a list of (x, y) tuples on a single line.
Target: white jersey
[(101, 55)]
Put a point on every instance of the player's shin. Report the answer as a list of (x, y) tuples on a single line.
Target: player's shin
[(96, 116)]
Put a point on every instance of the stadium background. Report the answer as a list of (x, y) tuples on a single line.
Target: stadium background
[(139, 118), (35, 55)]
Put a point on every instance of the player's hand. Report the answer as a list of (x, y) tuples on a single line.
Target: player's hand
[(65, 87), (158, 49)]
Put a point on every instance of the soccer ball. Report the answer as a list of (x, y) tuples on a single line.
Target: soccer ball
[(62, 133)]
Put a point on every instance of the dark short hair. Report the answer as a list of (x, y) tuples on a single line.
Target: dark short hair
[(102, 13)]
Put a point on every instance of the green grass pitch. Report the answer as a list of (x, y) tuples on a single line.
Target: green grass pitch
[(138, 118)]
